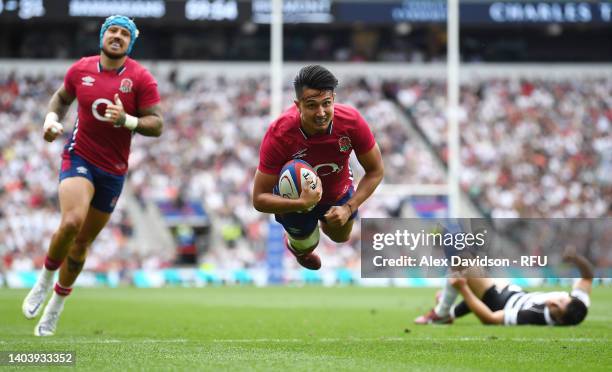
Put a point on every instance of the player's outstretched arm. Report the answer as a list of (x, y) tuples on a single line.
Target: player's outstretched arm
[(586, 269), (475, 304), (58, 106), (266, 202)]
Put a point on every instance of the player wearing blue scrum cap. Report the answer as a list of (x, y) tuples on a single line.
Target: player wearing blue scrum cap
[(121, 22), (117, 98)]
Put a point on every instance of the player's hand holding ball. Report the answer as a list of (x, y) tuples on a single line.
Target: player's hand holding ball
[(298, 180), (116, 115), (52, 127), (311, 196)]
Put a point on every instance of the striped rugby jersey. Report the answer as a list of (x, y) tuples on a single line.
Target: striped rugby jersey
[(530, 308)]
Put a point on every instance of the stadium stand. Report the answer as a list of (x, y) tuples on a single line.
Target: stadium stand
[(554, 159), (214, 130), (556, 131)]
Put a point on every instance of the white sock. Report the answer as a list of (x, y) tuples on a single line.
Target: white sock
[(46, 276), (449, 295), (56, 302)]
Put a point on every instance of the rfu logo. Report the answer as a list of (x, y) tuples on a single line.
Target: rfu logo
[(88, 81), (126, 86), (344, 143), (81, 170), (326, 169)]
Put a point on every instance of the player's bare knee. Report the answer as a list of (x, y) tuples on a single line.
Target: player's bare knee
[(71, 224)]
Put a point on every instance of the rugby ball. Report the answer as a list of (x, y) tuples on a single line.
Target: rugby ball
[(295, 175)]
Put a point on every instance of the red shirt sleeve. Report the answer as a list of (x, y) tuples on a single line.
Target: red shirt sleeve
[(70, 78), (147, 94), (270, 155), (362, 138)]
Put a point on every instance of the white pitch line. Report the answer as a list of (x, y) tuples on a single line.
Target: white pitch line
[(108, 341), (252, 340), (410, 339), (321, 340)]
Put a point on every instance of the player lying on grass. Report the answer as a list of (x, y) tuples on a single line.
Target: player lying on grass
[(496, 303)]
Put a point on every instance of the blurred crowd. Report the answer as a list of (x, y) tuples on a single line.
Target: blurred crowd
[(208, 153), (529, 148)]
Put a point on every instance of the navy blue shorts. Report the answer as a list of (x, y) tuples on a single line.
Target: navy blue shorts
[(301, 225), (107, 186)]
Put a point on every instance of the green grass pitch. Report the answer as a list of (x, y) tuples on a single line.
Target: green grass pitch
[(297, 328)]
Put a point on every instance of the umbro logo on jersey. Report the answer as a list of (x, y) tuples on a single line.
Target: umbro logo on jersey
[(300, 154), (81, 170), (88, 81)]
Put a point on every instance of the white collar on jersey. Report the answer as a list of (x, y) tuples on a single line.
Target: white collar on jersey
[(329, 130)]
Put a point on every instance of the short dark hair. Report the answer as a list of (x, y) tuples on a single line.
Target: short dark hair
[(314, 77), (575, 312)]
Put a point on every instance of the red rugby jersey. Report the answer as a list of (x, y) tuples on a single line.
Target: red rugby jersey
[(328, 153), (94, 137)]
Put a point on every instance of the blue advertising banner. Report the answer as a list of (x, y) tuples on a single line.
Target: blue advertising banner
[(276, 251)]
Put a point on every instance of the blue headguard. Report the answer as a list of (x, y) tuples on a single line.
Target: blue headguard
[(122, 21)]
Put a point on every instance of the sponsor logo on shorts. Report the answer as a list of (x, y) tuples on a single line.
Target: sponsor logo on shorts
[(81, 170)]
